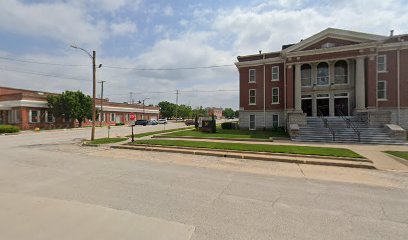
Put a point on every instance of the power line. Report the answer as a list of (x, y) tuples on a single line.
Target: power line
[(180, 91), (44, 63), (41, 74), (115, 67), (171, 69)]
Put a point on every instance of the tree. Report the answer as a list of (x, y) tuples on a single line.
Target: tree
[(228, 113), (200, 111), (184, 111), (237, 114), (213, 124), (196, 122), (167, 109), (71, 105)]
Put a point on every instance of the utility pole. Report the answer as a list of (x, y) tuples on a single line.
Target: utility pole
[(100, 120), (93, 57), (177, 93), (131, 98)]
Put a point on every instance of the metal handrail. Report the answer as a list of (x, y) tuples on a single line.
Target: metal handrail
[(350, 124), (327, 125)]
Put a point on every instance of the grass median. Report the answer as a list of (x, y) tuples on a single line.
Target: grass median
[(400, 154), (106, 140), (140, 135), (229, 133), (303, 150)]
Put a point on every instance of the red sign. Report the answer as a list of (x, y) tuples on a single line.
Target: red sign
[(132, 117)]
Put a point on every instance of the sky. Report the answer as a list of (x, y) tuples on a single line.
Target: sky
[(145, 46)]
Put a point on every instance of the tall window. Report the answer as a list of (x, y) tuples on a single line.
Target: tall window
[(340, 72), (382, 90), (14, 116), (275, 120), (382, 63), (34, 116), (306, 75), (252, 75), (49, 117), (322, 73), (112, 117), (275, 73), (252, 96), (252, 125), (101, 117), (275, 95)]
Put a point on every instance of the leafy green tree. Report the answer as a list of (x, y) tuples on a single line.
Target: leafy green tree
[(200, 111), (228, 113), (184, 111), (167, 109), (196, 122), (69, 104), (237, 114), (213, 124)]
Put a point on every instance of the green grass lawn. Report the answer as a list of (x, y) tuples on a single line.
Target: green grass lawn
[(139, 135), (322, 151), (107, 140), (400, 154), (229, 133)]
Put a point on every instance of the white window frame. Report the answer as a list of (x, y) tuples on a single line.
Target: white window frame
[(46, 118), (385, 90), (276, 73), (273, 115), (275, 95), (328, 75), (309, 78), (112, 117), (249, 97), (101, 117), (385, 63), (30, 115), (254, 71), (249, 126)]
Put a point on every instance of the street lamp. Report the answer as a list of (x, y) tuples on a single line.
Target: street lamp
[(93, 56), (144, 107)]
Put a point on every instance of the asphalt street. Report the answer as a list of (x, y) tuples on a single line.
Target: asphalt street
[(52, 188)]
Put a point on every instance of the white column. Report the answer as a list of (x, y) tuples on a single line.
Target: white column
[(360, 84), (298, 89)]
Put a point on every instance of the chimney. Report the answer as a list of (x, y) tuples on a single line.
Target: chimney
[(260, 51), (391, 33)]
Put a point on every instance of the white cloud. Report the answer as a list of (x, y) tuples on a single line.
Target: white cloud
[(168, 11), (123, 28), (58, 21)]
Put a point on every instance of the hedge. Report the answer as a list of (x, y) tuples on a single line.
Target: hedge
[(229, 125), (9, 129)]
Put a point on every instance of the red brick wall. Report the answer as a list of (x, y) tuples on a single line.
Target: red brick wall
[(371, 69), (391, 77), (404, 77)]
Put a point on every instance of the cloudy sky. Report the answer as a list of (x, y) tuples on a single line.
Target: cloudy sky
[(135, 38)]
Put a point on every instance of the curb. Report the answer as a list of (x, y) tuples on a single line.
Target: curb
[(258, 153), (217, 154), (206, 138)]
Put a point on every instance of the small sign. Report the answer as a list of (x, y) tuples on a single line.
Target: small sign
[(132, 117)]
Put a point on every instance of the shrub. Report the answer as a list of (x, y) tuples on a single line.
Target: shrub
[(119, 124), (9, 129), (229, 125)]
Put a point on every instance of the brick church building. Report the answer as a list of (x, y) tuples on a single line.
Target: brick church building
[(333, 73)]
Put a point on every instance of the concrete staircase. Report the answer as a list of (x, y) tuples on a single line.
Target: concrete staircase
[(315, 131)]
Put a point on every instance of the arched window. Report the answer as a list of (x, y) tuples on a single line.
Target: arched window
[(341, 72), (322, 73), (306, 75)]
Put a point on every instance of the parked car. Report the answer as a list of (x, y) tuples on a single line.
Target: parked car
[(141, 122), (162, 121), (189, 122), (152, 122)]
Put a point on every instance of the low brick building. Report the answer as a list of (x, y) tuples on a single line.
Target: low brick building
[(29, 109), (216, 111), (334, 72)]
